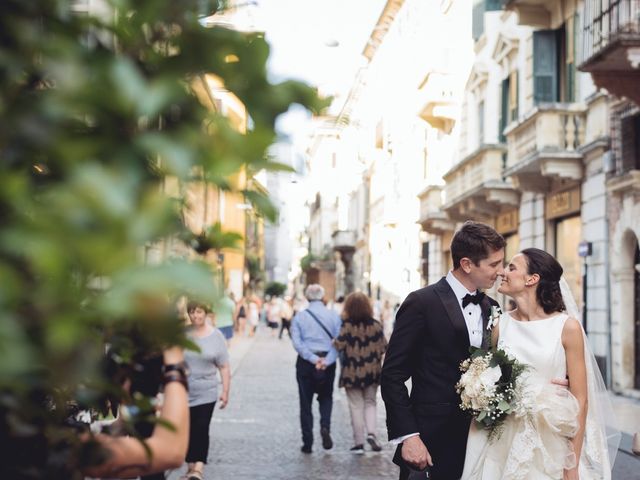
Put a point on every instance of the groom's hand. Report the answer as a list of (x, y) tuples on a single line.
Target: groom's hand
[(415, 453)]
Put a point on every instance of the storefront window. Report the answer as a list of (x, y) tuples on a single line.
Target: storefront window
[(568, 234)]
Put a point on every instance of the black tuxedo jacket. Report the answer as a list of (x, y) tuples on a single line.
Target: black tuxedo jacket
[(429, 340)]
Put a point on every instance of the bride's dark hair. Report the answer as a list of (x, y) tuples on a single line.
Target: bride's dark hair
[(548, 292)]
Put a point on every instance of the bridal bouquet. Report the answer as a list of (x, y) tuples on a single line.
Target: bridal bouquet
[(488, 386)]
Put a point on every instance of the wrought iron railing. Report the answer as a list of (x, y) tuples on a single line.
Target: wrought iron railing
[(604, 21)]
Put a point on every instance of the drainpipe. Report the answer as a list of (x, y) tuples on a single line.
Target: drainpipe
[(607, 265)]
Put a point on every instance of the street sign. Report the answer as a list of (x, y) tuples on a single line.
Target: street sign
[(585, 249)]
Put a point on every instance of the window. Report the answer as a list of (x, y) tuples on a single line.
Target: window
[(630, 143), (508, 103), (554, 64), (481, 123), (479, 7)]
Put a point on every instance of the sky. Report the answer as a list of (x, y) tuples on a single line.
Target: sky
[(319, 42)]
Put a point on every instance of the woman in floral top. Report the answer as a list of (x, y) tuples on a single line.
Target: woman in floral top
[(362, 345)]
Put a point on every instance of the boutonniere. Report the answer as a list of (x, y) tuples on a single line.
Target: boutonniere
[(494, 316)]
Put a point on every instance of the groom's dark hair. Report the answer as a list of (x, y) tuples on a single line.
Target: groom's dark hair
[(475, 241)]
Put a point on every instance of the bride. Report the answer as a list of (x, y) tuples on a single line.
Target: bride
[(557, 433)]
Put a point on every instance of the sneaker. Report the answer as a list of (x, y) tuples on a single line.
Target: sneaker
[(327, 443), (305, 449), (357, 449), (373, 441)]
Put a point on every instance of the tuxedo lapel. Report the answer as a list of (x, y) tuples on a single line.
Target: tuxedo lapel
[(454, 312)]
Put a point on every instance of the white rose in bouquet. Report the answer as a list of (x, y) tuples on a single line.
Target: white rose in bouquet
[(489, 378)]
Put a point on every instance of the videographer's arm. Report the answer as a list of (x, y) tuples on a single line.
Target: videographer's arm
[(128, 457)]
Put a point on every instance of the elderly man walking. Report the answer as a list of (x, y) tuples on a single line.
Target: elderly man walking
[(312, 333)]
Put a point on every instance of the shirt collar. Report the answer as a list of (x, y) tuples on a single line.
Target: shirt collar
[(458, 288)]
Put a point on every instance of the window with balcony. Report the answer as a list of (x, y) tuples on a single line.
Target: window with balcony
[(554, 67)]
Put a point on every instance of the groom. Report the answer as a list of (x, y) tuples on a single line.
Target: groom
[(434, 329)]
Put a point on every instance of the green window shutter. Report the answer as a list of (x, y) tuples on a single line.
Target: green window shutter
[(477, 23), (504, 109), (571, 45), (514, 99), (493, 5), (545, 66)]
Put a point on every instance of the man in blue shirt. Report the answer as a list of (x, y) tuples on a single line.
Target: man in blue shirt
[(312, 333)]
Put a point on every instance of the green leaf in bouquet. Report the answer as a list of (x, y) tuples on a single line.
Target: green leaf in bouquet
[(504, 406), (482, 416)]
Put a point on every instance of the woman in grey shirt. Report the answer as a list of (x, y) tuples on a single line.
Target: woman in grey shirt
[(203, 385)]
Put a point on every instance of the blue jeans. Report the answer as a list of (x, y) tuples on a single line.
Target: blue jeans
[(310, 382)]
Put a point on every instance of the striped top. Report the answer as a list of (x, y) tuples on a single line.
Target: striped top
[(362, 345)]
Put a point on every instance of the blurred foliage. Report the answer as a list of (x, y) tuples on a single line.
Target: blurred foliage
[(256, 272), (96, 116), (275, 289), (306, 262)]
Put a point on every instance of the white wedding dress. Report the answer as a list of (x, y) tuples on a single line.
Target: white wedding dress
[(534, 442)]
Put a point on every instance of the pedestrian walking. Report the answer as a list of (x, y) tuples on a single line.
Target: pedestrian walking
[(361, 344), (387, 318), (313, 331), (254, 314), (203, 393), (286, 313), (274, 314), (224, 316), (241, 316)]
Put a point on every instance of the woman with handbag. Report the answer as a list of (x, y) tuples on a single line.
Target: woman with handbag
[(361, 344)]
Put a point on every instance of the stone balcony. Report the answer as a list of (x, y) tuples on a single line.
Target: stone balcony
[(475, 188), (438, 106), (539, 13), (611, 46), (545, 146), (627, 182), (344, 240), (432, 218)]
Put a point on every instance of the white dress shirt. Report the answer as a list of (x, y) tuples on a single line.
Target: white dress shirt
[(473, 318), (472, 313)]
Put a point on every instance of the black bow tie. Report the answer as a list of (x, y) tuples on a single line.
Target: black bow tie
[(475, 299)]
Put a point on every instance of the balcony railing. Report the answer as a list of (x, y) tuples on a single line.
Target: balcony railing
[(546, 145), (550, 128), (605, 22)]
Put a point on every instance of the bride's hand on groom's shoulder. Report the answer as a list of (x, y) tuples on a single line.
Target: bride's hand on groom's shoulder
[(415, 453)]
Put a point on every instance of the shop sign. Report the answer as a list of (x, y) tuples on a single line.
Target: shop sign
[(507, 222), (563, 203)]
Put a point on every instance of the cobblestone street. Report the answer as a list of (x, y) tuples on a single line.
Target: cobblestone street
[(258, 435)]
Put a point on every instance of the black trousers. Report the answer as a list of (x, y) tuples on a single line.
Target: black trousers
[(199, 421), (310, 382), (285, 324)]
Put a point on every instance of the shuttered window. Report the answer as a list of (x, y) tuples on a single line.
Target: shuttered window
[(477, 21), (492, 5), (630, 138), (545, 66), (513, 96), (504, 109)]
